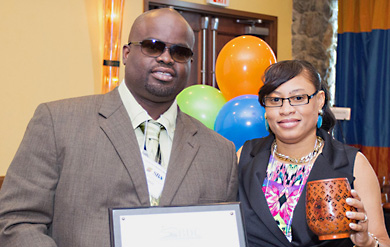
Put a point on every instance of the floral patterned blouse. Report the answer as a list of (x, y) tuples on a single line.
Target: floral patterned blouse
[(282, 188)]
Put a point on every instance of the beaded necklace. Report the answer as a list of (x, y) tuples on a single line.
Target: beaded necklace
[(304, 159)]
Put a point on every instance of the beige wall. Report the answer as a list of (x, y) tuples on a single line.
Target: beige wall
[(52, 50)]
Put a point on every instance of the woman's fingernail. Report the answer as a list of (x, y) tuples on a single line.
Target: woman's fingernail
[(348, 200), (349, 213)]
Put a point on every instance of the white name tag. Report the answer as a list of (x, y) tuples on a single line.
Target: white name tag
[(155, 175)]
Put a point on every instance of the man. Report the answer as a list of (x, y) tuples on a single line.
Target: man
[(81, 156)]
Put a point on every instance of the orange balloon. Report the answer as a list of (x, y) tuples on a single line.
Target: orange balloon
[(241, 64)]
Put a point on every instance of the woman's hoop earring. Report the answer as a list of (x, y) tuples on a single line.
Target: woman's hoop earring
[(319, 120)]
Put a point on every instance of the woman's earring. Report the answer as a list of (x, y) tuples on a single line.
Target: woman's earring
[(319, 120), (266, 122)]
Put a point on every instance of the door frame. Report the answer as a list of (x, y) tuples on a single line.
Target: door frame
[(271, 21)]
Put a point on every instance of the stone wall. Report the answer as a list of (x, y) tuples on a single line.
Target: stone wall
[(314, 35)]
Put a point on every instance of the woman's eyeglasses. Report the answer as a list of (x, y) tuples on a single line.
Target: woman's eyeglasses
[(154, 48), (301, 99)]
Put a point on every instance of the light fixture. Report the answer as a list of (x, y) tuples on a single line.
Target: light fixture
[(113, 15)]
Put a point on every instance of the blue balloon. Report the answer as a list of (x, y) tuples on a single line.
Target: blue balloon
[(241, 119)]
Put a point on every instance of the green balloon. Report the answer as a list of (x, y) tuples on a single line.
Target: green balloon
[(202, 102)]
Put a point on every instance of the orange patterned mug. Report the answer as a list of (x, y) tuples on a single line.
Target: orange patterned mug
[(326, 208)]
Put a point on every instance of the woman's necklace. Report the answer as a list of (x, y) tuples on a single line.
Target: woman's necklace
[(304, 159)]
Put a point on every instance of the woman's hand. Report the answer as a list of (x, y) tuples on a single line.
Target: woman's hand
[(359, 235)]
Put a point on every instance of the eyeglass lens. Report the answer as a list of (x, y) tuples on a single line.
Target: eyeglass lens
[(294, 100), (155, 48)]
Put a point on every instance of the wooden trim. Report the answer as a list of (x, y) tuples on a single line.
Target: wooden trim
[(1, 181), (207, 9)]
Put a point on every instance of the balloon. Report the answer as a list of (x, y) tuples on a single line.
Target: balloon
[(201, 102), (241, 119), (241, 64)]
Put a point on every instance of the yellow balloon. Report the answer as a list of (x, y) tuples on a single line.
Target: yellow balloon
[(241, 64)]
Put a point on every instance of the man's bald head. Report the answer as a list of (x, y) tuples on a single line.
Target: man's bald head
[(156, 79), (168, 15)]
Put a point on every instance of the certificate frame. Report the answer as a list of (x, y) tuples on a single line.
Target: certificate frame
[(210, 225)]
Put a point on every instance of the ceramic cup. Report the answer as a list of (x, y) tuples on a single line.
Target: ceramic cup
[(326, 208)]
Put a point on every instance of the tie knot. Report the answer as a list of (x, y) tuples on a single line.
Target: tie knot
[(151, 129)]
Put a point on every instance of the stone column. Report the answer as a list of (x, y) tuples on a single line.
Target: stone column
[(314, 36)]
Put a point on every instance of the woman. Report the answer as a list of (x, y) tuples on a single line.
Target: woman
[(274, 170)]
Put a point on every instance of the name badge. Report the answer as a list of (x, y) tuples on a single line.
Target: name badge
[(155, 175)]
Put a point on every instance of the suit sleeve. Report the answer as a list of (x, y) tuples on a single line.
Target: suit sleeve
[(233, 181), (27, 195)]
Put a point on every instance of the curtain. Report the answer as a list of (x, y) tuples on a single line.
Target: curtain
[(363, 78)]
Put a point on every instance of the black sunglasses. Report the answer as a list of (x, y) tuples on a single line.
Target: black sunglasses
[(154, 48)]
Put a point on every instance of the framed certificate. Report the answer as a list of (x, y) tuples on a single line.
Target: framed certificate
[(181, 226)]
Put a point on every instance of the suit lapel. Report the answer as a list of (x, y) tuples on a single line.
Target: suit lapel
[(253, 182), (184, 149), (116, 124)]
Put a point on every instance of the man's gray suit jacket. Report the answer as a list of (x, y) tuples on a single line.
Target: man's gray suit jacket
[(80, 157)]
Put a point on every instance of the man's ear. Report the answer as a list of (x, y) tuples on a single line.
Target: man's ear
[(125, 53)]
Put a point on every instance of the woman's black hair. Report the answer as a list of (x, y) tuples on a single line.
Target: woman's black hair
[(281, 72)]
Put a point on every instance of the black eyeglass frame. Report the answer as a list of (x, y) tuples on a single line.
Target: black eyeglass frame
[(171, 48), (309, 97)]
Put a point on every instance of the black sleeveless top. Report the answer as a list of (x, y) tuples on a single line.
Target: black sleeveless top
[(336, 160)]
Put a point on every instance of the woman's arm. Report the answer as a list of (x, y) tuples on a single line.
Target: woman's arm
[(367, 200)]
